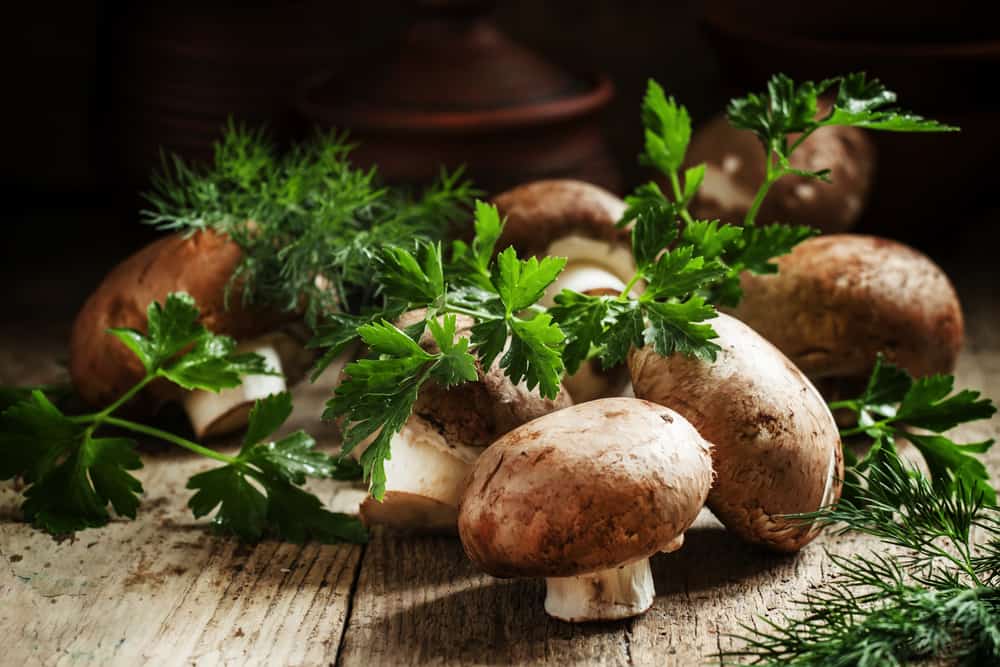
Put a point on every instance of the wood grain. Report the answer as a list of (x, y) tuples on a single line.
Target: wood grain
[(164, 590)]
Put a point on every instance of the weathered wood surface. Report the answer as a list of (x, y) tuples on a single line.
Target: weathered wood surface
[(164, 590)]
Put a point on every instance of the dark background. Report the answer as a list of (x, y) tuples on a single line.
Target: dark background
[(92, 90)]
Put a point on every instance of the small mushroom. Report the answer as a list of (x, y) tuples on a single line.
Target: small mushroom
[(201, 264), (838, 301), (776, 447), (583, 497), (735, 169), (446, 433), (575, 220)]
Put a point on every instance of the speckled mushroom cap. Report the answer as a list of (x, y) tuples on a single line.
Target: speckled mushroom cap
[(589, 488), (476, 413), (201, 264), (776, 447), (538, 213), (837, 301), (736, 168)]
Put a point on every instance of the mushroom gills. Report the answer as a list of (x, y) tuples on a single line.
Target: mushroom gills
[(425, 479), (607, 595), (592, 264), (217, 413)]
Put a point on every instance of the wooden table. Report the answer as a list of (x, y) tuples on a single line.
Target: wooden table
[(164, 590)]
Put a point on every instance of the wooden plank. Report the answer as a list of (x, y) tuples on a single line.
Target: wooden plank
[(163, 589), (419, 601)]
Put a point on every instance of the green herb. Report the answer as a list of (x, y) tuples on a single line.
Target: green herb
[(788, 109), (936, 597), (72, 474), (893, 404), (499, 292), (306, 221)]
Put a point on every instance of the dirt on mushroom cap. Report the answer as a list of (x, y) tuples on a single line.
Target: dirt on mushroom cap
[(584, 489), (837, 301), (776, 447), (201, 264)]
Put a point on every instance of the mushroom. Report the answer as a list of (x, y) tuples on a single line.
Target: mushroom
[(735, 169), (583, 497), (201, 264), (776, 447), (838, 301), (575, 220), (448, 430)]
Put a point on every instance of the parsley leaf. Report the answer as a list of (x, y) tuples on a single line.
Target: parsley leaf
[(863, 102), (668, 129), (521, 282)]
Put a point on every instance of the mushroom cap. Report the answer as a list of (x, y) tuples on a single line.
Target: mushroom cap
[(541, 212), (588, 488), (838, 301), (475, 414), (201, 264), (776, 447), (736, 169)]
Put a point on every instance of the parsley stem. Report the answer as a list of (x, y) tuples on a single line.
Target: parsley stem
[(857, 430), (675, 184), (628, 288), (170, 437)]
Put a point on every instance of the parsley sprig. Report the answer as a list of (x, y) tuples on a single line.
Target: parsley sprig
[(787, 108), (499, 291), (73, 471), (896, 406)]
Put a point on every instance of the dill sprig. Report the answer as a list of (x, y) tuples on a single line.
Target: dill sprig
[(306, 220), (937, 597)]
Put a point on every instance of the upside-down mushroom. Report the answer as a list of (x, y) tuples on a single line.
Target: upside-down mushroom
[(583, 497), (735, 168), (446, 433), (838, 301), (575, 220), (776, 448), (201, 264)]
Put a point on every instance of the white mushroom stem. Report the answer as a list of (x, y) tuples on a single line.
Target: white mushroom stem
[(606, 595), (424, 481), (217, 413), (592, 264)]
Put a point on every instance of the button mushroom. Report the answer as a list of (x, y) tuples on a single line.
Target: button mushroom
[(583, 497), (735, 167), (446, 433), (576, 220), (776, 447), (201, 264), (838, 301)]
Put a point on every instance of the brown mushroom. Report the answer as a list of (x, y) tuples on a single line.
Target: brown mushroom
[(735, 169), (201, 264), (575, 220), (583, 497), (776, 447), (838, 301), (448, 430)]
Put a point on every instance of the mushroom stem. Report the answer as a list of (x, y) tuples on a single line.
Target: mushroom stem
[(605, 595), (425, 479), (217, 413)]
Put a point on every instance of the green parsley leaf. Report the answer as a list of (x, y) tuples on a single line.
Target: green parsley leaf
[(863, 102), (416, 277), (709, 239), (624, 329), (535, 354), (455, 364), (473, 263), (679, 273), (582, 318), (266, 416), (521, 282), (668, 129), (677, 327), (655, 223), (170, 328)]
